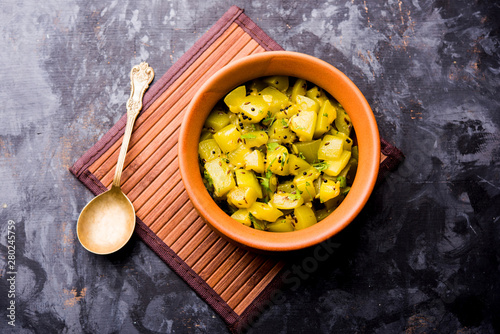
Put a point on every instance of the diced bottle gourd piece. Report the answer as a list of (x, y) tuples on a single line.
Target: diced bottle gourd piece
[(255, 161), (247, 178), (264, 211), (280, 130), (256, 86), (306, 104), (331, 148), (311, 173), (205, 134), (287, 112), (242, 216), (305, 185), (299, 88), (228, 138), (281, 225), (254, 108), (242, 197), (329, 189), (237, 157), (355, 152), (255, 138), (287, 201), (304, 124), (277, 160), (234, 98), (217, 120), (297, 165), (317, 95), (221, 175), (326, 116), (208, 150), (332, 204), (335, 166), (304, 217), (287, 187), (233, 118), (309, 150), (276, 99), (322, 214), (279, 82), (346, 140), (343, 122)]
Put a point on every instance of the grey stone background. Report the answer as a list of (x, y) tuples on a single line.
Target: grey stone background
[(422, 257)]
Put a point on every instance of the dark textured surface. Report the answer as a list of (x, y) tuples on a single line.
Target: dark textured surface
[(422, 257)]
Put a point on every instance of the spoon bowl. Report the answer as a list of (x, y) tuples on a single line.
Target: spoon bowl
[(107, 222)]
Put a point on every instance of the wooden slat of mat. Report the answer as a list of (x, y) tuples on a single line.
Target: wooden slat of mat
[(198, 252), (242, 300), (153, 183), (199, 264)]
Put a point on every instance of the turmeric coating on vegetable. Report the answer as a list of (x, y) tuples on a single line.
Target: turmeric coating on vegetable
[(277, 154)]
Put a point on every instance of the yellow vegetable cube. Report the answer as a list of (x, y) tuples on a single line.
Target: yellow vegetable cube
[(217, 120), (208, 150), (255, 138), (205, 134), (297, 165), (228, 138), (304, 124), (237, 157), (287, 187), (280, 130), (331, 148), (282, 225), (247, 178), (304, 216), (276, 99), (242, 197), (278, 160), (255, 161), (256, 86), (317, 95), (286, 201), (299, 88), (306, 104), (346, 140), (335, 166), (279, 82), (242, 216), (264, 211), (308, 150), (234, 98), (343, 122), (221, 175), (326, 116), (305, 185), (287, 112), (254, 108), (329, 189)]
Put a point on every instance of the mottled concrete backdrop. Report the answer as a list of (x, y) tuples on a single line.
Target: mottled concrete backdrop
[(423, 256)]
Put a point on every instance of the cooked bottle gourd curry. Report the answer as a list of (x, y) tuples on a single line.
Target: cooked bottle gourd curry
[(277, 154)]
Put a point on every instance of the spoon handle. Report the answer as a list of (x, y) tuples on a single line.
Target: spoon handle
[(140, 77)]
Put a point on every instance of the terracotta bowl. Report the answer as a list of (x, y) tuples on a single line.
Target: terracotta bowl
[(296, 65)]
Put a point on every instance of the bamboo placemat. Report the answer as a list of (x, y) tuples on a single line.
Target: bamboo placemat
[(232, 280)]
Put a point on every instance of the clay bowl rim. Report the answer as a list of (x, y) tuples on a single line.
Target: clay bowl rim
[(292, 64)]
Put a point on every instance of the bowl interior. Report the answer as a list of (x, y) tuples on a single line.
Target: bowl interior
[(296, 65)]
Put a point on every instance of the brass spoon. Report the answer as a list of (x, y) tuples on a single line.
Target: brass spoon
[(107, 222)]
